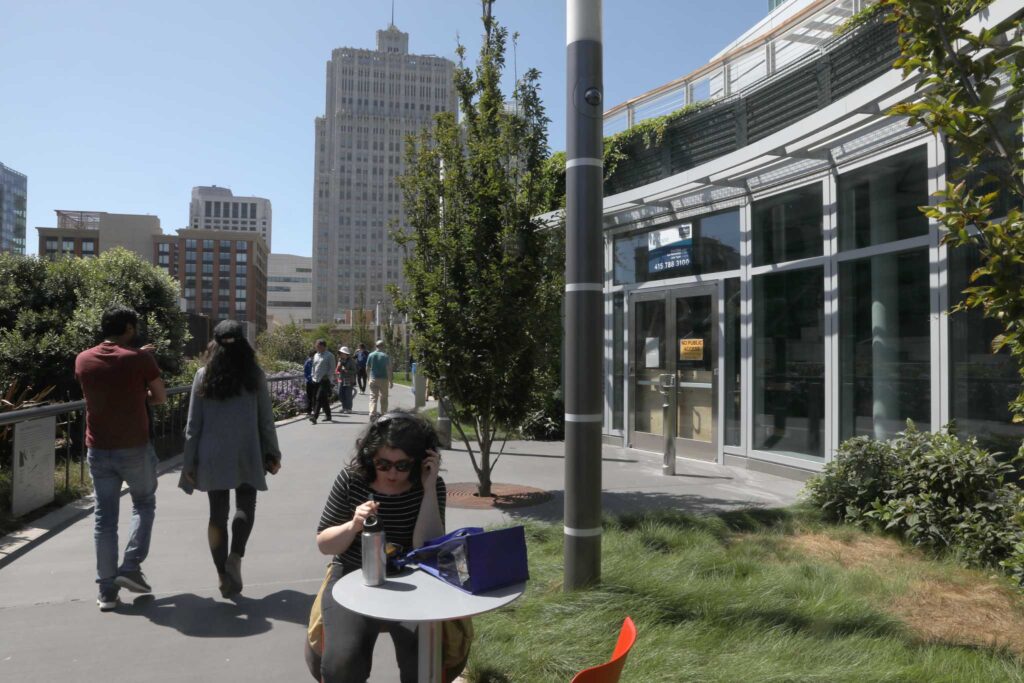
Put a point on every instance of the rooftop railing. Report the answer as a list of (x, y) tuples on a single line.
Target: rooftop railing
[(800, 37)]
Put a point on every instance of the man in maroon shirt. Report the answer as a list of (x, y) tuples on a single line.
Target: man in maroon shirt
[(117, 379)]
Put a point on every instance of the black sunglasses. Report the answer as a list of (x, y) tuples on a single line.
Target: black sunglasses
[(386, 465)]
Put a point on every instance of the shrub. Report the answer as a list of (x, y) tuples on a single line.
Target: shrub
[(858, 476), (936, 490)]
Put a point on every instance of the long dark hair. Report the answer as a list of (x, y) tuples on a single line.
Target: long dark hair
[(230, 369), (396, 429)]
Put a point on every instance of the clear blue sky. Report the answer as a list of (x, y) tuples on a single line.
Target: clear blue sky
[(123, 106)]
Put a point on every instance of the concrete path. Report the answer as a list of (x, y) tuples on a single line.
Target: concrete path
[(51, 629)]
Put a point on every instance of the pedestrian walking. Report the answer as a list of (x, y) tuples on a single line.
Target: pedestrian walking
[(307, 370), (347, 371), (378, 366), (119, 382), (323, 377), (393, 476), (361, 356), (230, 442)]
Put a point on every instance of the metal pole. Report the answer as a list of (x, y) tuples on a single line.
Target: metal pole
[(584, 274), (444, 423)]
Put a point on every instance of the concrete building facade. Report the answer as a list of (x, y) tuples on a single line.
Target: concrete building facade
[(13, 210), (223, 273), (289, 290), (87, 233), (216, 208), (374, 99)]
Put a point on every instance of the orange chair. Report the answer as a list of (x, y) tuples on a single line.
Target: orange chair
[(610, 671)]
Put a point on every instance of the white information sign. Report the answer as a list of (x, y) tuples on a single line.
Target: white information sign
[(33, 464), (652, 351)]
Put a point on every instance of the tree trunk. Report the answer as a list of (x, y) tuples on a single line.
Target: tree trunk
[(484, 475)]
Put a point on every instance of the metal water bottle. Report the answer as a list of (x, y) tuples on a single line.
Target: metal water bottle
[(374, 560)]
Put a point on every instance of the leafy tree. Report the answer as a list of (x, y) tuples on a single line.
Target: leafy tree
[(51, 310), (970, 92), (475, 252)]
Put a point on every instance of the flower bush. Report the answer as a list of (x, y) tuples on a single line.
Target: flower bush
[(287, 393)]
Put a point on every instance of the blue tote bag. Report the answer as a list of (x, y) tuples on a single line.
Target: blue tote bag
[(474, 560)]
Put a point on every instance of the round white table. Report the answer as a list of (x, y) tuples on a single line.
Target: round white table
[(417, 596)]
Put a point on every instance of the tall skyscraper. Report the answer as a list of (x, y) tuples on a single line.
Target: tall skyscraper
[(13, 210), (216, 208), (375, 98)]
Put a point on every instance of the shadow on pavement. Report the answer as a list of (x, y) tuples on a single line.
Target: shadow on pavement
[(623, 502), (199, 617)]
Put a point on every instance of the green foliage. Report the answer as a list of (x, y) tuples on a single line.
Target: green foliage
[(284, 343), (864, 16), (935, 490), (51, 310), (620, 147), (478, 262), (971, 93), (861, 472)]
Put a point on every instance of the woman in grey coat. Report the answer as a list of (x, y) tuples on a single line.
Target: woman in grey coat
[(230, 441)]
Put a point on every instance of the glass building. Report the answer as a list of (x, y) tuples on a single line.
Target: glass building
[(13, 210), (768, 262)]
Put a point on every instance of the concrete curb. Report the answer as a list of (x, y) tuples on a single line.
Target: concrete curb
[(16, 543)]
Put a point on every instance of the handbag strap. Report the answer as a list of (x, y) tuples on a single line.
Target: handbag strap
[(434, 544)]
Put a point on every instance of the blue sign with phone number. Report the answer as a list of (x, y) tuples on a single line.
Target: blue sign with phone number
[(668, 259)]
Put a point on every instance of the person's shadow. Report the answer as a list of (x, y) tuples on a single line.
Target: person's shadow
[(199, 617)]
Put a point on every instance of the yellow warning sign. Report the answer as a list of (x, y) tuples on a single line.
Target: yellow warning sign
[(691, 349)]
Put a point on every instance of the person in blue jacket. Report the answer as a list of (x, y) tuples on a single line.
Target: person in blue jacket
[(307, 370)]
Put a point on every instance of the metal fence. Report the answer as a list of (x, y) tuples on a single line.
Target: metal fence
[(167, 426)]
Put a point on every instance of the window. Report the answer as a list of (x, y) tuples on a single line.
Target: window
[(51, 244), (234, 209), (618, 360), (241, 257), (732, 386), (240, 306), (879, 203), (252, 210), (208, 268), (981, 384), (208, 209), (207, 244), (884, 344), (245, 210), (225, 245), (190, 267), (163, 247), (88, 247), (190, 245), (789, 363), (241, 245), (788, 226), (216, 209), (207, 257), (702, 244), (68, 246)]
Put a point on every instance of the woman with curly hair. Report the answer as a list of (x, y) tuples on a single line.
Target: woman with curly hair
[(394, 477), (230, 441)]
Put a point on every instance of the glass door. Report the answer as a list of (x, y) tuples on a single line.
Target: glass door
[(674, 360), (648, 361), (695, 314)]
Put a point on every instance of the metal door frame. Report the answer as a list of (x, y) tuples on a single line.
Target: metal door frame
[(656, 442)]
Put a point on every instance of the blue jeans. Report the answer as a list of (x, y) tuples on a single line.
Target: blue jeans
[(345, 394), (109, 468)]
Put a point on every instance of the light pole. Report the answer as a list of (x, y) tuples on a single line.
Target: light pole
[(584, 275)]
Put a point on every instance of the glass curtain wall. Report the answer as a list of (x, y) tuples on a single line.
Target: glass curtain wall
[(789, 363), (884, 344), (732, 386)]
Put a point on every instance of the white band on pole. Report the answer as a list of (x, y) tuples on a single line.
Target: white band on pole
[(583, 533), (584, 287), (582, 24), (584, 161), (576, 417)]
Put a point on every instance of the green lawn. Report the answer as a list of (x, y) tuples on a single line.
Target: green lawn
[(762, 596)]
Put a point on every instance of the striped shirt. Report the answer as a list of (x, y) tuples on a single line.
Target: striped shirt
[(397, 513)]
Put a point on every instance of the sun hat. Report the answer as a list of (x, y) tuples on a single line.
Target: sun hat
[(344, 350)]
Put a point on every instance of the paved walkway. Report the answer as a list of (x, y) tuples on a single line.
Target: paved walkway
[(51, 629)]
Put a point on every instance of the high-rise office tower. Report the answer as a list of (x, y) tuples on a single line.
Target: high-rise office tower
[(13, 210), (375, 98), (216, 208)]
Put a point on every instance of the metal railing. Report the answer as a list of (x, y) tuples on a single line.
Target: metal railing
[(167, 424), (797, 38)]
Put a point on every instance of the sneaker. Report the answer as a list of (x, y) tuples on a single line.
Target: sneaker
[(313, 420), (134, 581), (107, 602)]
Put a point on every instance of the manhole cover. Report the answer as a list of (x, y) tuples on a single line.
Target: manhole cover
[(463, 495)]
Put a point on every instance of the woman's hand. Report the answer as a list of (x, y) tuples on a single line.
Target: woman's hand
[(362, 512), (274, 466), (431, 466), (190, 477)]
